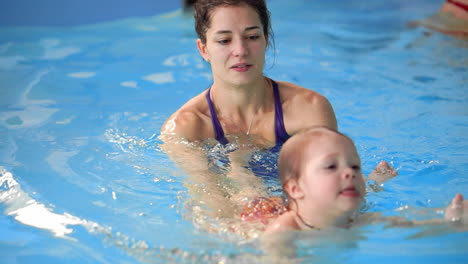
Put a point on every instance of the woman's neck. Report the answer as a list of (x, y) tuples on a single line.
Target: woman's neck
[(241, 102)]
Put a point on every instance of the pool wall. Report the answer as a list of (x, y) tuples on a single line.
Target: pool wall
[(72, 13)]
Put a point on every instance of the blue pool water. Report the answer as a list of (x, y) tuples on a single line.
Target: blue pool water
[(83, 179)]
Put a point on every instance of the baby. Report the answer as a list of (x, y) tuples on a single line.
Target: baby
[(320, 171)]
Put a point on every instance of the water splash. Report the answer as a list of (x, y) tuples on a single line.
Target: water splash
[(28, 211)]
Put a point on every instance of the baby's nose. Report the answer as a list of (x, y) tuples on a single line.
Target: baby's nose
[(349, 173)]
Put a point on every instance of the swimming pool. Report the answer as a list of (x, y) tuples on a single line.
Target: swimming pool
[(83, 179)]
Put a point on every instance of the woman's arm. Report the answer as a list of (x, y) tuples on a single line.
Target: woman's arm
[(206, 188), (223, 193)]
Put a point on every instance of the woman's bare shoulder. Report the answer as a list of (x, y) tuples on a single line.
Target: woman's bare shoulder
[(291, 91), (304, 107), (190, 120)]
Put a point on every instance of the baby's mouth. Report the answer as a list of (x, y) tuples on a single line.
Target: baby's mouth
[(350, 192)]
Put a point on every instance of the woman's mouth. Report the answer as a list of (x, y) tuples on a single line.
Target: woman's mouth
[(241, 67)]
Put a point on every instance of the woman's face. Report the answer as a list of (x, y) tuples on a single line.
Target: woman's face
[(235, 45)]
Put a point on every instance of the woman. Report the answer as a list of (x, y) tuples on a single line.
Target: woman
[(241, 105)]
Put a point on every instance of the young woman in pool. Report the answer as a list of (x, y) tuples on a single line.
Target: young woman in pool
[(242, 106)]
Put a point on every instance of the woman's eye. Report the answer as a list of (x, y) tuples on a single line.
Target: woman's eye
[(224, 41), (254, 37)]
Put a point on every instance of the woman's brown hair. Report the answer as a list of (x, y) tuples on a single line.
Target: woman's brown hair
[(203, 10)]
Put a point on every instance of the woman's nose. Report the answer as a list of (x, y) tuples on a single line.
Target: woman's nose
[(240, 48)]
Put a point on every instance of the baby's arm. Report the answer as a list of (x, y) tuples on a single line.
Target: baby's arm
[(455, 212), (382, 172)]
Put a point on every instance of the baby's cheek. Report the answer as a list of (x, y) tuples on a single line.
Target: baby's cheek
[(362, 186), (325, 189)]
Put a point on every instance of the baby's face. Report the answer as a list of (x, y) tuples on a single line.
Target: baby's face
[(331, 178)]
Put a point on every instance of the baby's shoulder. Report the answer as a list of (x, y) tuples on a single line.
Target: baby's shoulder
[(284, 222)]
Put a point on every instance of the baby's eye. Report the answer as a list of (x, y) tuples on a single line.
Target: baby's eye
[(331, 167), (356, 167)]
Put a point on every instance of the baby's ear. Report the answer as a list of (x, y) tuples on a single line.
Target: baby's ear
[(293, 189)]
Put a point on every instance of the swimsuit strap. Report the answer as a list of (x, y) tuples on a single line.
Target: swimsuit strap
[(218, 129), (280, 130)]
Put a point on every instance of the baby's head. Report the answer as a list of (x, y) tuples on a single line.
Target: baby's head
[(319, 163)]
